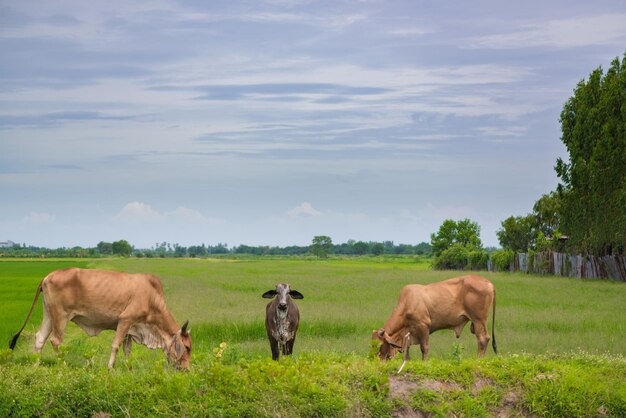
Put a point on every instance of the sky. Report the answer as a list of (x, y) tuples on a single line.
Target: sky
[(269, 122)]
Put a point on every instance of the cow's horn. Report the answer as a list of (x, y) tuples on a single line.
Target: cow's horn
[(183, 330)]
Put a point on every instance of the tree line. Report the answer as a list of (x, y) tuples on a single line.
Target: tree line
[(321, 246)]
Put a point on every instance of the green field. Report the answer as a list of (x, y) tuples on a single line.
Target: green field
[(545, 326)]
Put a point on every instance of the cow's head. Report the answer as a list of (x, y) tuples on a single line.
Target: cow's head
[(179, 349), (283, 290), (388, 348)]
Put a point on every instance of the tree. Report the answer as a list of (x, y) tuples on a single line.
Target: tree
[(547, 214), (360, 247), (321, 246), (122, 247), (517, 233), (378, 248), (104, 247), (464, 232), (593, 183)]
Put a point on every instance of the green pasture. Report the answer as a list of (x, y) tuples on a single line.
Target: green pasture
[(562, 345), (344, 300)]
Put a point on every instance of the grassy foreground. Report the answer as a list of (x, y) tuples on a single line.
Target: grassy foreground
[(562, 344), (321, 386)]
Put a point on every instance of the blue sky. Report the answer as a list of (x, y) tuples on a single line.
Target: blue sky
[(269, 122)]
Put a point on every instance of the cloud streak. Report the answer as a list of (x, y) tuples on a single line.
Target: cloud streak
[(560, 33), (269, 122)]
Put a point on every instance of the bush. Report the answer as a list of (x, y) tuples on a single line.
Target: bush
[(478, 260), (461, 257), (502, 260), (453, 258)]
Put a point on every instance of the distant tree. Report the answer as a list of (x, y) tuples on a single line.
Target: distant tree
[(360, 247), (180, 251), (423, 248), (197, 251), (517, 233), (321, 246), (378, 248), (464, 232), (218, 249), (122, 247), (104, 248)]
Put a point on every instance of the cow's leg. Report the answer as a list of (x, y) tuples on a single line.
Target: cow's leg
[(59, 321), (274, 347), (120, 334), (289, 346), (127, 344), (44, 331), (482, 336), (423, 335)]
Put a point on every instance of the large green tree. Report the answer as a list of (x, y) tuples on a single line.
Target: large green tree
[(464, 232), (122, 247), (523, 233), (321, 246), (517, 233), (593, 181)]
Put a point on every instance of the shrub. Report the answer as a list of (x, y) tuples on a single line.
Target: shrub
[(502, 260), (453, 258)]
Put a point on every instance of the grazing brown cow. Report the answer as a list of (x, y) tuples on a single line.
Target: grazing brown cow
[(131, 304), (281, 319), (424, 309)]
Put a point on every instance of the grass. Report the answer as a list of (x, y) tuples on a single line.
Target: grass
[(562, 344)]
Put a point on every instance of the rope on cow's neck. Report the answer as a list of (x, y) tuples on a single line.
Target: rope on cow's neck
[(405, 350)]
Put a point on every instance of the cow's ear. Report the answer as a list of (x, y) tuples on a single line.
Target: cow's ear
[(183, 329), (178, 347), (295, 294), (270, 294), (378, 334)]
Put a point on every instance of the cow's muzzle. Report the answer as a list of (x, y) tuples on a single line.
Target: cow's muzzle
[(282, 306)]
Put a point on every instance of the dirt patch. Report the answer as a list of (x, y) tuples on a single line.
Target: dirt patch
[(402, 388), (407, 412)]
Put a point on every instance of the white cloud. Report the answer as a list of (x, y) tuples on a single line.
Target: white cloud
[(304, 209), (562, 33), (39, 218), (191, 216), (184, 214), (138, 212)]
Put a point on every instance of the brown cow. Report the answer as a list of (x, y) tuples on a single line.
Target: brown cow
[(281, 319), (131, 304), (424, 309)]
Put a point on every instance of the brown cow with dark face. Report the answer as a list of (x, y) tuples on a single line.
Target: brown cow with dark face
[(424, 309), (131, 304), (281, 319)]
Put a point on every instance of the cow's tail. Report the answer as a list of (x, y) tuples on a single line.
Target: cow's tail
[(32, 307), (493, 324)]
